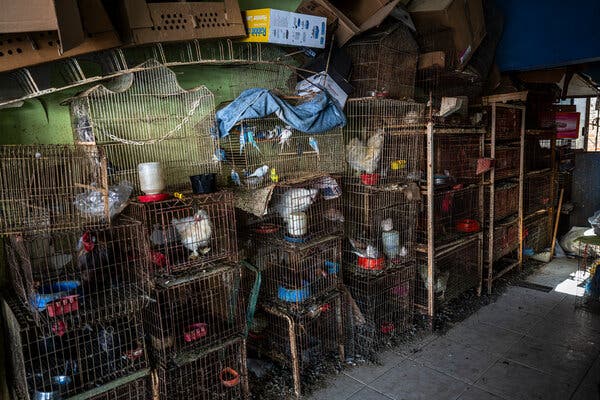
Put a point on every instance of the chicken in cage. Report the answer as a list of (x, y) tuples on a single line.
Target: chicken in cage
[(61, 360), (299, 340), (190, 313), (295, 277), (456, 270), (455, 215), (383, 140), (379, 307), (216, 373), (148, 117), (294, 213), (506, 199), (537, 233), (384, 62), (42, 188), (189, 232), (266, 151), (380, 226), (80, 275), (456, 159), (537, 191)]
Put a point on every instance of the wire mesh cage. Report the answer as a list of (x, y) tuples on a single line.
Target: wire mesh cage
[(80, 276), (380, 226), (188, 233), (456, 270), (384, 61), (41, 185), (537, 191), (538, 154), (132, 387), (61, 361), (506, 238), (536, 233), (506, 164), (265, 151), (508, 123), (217, 373), (455, 158), (191, 313), (384, 139), (506, 200), (380, 306), (296, 277), (148, 117), (436, 80), (456, 215), (299, 340), (296, 213)]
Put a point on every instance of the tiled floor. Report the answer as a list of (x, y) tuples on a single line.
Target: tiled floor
[(527, 345)]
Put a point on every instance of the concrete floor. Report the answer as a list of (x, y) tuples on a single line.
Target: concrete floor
[(527, 345)]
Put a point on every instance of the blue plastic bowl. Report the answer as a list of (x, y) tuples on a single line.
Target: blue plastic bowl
[(294, 295), (332, 267), (528, 251), (49, 293)]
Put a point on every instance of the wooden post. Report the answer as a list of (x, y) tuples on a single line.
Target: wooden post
[(490, 247), (521, 178), (430, 217)]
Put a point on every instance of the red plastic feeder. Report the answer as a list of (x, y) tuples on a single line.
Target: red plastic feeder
[(64, 305), (369, 179), (371, 264), (387, 327), (195, 331), (150, 198)]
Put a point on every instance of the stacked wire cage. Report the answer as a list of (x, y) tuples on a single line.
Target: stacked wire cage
[(537, 191), (295, 245), (384, 62), (284, 153), (536, 233), (146, 116), (61, 360)]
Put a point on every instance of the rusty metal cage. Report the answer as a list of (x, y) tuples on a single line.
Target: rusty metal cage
[(186, 234), (216, 373), (506, 238), (384, 61), (132, 387), (40, 186), (537, 232), (508, 123), (455, 208), (538, 154), (80, 276), (380, 226), (295, 213), (457, 269), (506, 200), (294, 276), (299, 340), (190, 313), (145, 116), (62, 360), (455, 158), (284, 153), (537, 191), (507, 162), (383, 140), (380, 306)]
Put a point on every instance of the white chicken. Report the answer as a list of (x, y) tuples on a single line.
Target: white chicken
[(194, 232), (441, 281), (295, 200), (365, 158)]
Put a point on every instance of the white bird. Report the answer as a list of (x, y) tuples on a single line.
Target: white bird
[(441, 281), (235, 177), (365, 158), (285, 136), (194, 232), (387, 225), (259, 172), (295, 200)]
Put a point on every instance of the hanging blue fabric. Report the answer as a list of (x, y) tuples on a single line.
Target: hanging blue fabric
[(320, 114)]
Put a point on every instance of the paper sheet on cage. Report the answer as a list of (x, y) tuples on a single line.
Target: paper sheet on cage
[(254, 201)]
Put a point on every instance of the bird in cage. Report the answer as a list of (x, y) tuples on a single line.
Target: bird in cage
[(365, 157), (441, 281), (92, 261), (195, 233), (235, 177), (295, 200), (285, 136), (314, 145), (256, 178)]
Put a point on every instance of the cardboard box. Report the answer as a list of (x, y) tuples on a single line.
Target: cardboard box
[(26, 49), (141, 22), (349, 17), (46, 16), (267, 25), (323, 80), (464, 18)]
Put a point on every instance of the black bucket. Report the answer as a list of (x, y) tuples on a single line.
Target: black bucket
[(204, 183)]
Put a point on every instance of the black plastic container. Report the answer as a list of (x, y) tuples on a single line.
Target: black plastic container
[(204, 183)]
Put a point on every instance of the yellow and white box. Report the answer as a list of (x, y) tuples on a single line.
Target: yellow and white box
[(267, 25)]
